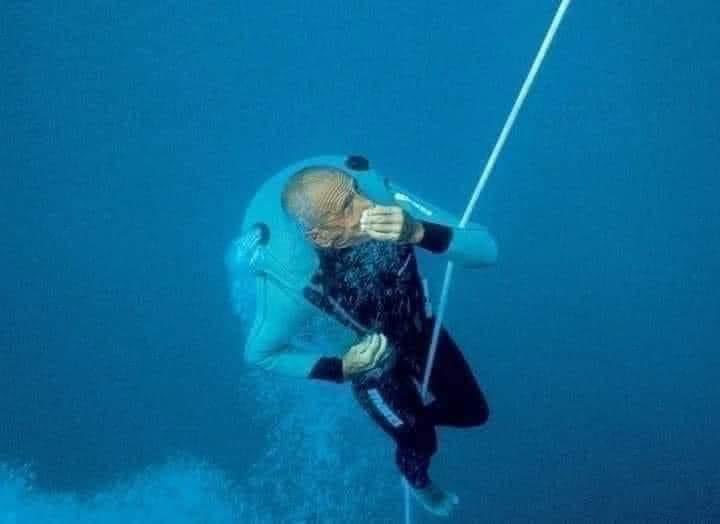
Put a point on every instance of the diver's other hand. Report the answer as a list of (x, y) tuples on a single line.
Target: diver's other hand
[(365, 355), (391, 224)]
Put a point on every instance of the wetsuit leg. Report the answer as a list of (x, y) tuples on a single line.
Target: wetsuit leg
[(459, 401), (394, 404)]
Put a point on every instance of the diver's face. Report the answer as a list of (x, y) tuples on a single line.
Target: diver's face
[(339, 206)]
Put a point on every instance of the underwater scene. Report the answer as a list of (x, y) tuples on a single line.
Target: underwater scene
[(226, 230)]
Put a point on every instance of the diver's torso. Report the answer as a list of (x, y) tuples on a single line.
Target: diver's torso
[(378, 284)]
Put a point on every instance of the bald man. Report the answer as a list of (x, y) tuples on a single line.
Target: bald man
[(368, 277)]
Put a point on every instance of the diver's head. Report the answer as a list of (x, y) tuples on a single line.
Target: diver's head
[(327, 204)]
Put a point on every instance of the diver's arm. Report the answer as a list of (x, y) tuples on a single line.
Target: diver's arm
[(278, 317), (472, 246), (280, 356), (270, 346)]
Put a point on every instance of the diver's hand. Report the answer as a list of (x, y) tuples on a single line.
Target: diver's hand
[(391, 224), (365, 355)]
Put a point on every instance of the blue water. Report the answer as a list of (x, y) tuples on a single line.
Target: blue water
[(131, 137)]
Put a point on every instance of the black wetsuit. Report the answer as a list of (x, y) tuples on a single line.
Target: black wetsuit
[(378, 284)]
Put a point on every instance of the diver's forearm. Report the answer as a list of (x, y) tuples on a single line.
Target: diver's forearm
[(435, 238), (369, 352), (304, 366), (329, 369), (473, 247)]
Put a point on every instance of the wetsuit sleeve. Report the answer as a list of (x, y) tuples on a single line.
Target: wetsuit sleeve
[(437, 238), (328, 368), (278, 318), (472, 246)]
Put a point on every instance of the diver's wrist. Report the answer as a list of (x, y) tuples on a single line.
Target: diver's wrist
[(329, 368), (436, 237), (345, 369), (418, 233)]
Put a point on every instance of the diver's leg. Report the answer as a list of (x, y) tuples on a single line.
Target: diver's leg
[(459, 401), (395, 406)]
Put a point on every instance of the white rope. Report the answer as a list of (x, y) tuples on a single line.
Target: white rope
[(564, 4), (483, 179), (406, 499)]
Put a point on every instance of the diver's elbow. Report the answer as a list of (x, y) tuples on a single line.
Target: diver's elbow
[(256, 359), (490, 255), (485, 259), (474, 249), (471, 247), (250, 359)]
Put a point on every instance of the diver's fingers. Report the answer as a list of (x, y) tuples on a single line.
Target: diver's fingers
[(364, 216), (382, 210), (364, 344), (384, 221), (370, 343), (390, 227), (382, 351), (377, 342), (382, 236), (372, 220), (373, 348)]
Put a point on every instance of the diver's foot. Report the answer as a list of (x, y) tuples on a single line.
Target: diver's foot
[(437, 501)]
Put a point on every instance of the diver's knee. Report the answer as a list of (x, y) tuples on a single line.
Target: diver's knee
[(479, 415), (483, 414)]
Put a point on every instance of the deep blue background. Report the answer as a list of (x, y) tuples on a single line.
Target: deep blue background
[(132, 136)]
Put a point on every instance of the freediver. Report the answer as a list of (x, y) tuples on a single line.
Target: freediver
[(362, 230)]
